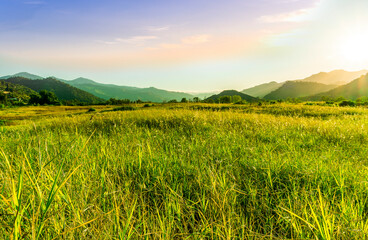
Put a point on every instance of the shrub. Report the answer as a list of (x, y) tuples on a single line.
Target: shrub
[(241, 102), (347, 103), (91, 110), (125, 108)]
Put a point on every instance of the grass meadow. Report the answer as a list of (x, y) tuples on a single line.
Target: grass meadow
[(184, 171)]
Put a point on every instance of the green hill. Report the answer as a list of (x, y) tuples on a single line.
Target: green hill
[(263, 89), (353, 90), (107, 91), (231, 93), (296, 89), (15, 90), (62, 90)]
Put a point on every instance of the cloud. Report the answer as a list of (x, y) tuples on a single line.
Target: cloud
[(295, 16), (158, 29), (34, 3), (196, 39), (131, 40), (136, 39)]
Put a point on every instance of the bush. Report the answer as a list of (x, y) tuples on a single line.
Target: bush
[(241, 102), (347, 103), (125, 108), (91, 110), (2, 106)]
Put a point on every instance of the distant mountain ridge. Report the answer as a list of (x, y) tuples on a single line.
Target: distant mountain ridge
[(336, 77), (23, 74), (107, 91), (263, 89), (333, 79), (62, 90), (86, 90), (353, 90), (297, 89)]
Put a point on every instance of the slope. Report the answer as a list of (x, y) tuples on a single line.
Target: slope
[(107, 91), (263, 89), (353, 90), (294, 89), (15, 90), (62, 90), (335, 78), (23, 74), (233, 93)]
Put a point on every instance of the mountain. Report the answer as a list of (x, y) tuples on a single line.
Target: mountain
[(24, 75), (62, 90), (82, 81), (203, 95), (297, 89), (233, 93), (107, 91), (15, 90), (335, 78), (263, 89), (353, 90)]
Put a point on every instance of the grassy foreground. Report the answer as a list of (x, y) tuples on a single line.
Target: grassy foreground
[(194, 172)]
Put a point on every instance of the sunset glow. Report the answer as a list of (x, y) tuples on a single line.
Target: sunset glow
[(179, 45)]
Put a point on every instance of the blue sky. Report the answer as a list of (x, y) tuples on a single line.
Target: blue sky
[(193, 45)]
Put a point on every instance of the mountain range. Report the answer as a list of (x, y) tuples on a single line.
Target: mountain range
[(62, 90), (350, 85), (296, 89), (104, 91), (107, 91), (353, 90)]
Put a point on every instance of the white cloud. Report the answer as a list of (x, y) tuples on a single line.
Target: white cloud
[(131, 40), (295, 16), (158, 29), (136, 39), (196, 39)]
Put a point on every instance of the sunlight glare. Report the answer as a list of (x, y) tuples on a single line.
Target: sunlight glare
[(354, 48)]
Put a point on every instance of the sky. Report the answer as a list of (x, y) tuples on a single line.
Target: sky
[(191, 45)]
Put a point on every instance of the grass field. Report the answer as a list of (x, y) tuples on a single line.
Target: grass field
[(184, 171)]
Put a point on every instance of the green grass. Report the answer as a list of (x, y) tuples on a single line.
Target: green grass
[(187, 171)]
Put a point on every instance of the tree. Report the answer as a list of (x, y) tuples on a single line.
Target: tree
[(225, 99), (236, 98), (196, 99), (48, 97), (35, 99), (184, 100)]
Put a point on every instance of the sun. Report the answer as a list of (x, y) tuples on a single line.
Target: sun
[(354, 48)]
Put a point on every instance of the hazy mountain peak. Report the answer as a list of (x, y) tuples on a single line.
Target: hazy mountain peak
[(82, 80), (336, 77), (23, 74)]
